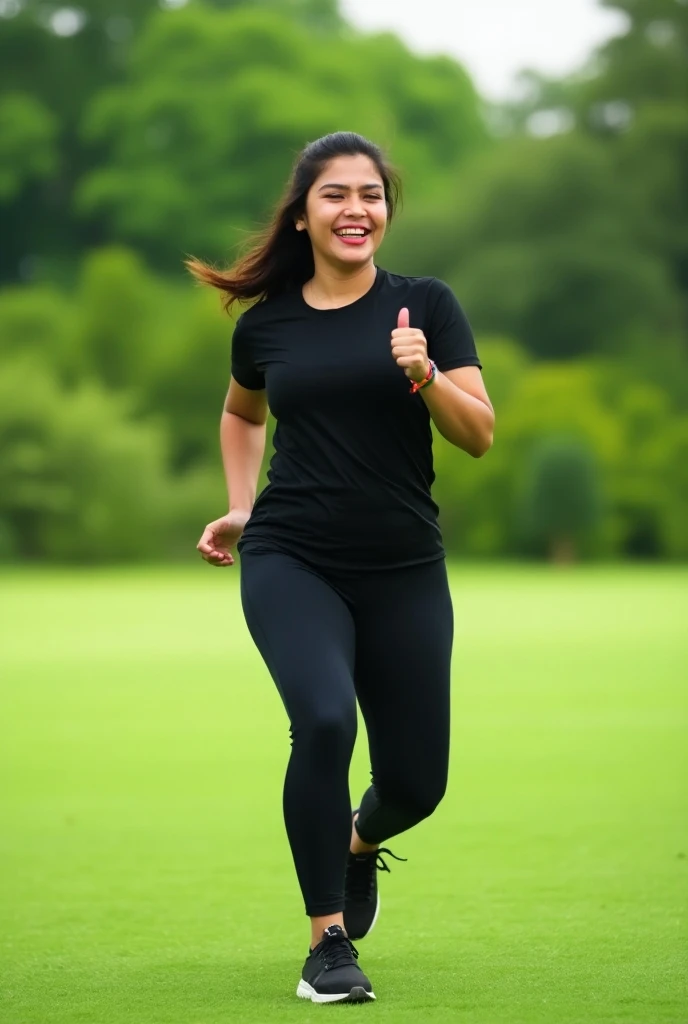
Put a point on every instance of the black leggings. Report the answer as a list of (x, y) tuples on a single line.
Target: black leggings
[(384, 637)]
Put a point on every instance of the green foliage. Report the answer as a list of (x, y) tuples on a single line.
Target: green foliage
[(78, 481), (118, 302), (628, 429), (546, 246), (27, 134), (39, 321), (562, 505)]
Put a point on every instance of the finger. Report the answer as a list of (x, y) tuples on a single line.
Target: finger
[(406, 348), (224, 560), (413, 354), (404, 320), (407, 361), (218, 559), (205, 543), (407, 334)]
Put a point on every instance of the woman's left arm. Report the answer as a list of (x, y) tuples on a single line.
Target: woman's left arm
[(460, 409), (456, 399)]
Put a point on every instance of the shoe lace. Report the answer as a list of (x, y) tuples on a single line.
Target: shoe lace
[(338, 951), (360, 879)]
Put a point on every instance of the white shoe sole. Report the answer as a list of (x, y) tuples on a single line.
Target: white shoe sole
[(357, 995), (377, 911)]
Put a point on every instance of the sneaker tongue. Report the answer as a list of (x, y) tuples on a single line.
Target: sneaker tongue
[(334, 931)]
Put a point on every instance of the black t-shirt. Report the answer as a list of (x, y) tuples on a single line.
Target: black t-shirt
[(350, 480)]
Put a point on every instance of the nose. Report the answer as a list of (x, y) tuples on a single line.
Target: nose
[(355, 208)]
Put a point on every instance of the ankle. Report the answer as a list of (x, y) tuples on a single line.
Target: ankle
[(357, 844), (319, 924)]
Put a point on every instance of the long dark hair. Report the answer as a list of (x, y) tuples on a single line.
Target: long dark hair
[(280, 257)]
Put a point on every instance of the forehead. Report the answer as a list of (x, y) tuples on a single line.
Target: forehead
[(349, 170)]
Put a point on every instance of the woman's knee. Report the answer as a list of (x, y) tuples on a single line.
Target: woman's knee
[(417, 802), (326, 732)]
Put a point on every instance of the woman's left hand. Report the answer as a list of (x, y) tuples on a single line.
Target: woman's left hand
[(410, 349)]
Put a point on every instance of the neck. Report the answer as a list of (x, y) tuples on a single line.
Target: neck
[(332, 287)]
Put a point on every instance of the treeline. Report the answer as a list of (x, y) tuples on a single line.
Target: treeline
[(132, 135)]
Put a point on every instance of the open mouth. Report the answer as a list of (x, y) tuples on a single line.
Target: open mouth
[(352, 236)]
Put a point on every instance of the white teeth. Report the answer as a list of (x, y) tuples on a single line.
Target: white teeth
[(351, 231)]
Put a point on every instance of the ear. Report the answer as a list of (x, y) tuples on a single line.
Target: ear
[(300, 224)]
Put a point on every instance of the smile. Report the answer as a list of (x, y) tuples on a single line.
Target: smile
[(352, 236)]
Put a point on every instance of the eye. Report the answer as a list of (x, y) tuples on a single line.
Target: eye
[(373, 196), (333, 195)]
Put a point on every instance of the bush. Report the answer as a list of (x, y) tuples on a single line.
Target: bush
[(561, 503), (79, 481)]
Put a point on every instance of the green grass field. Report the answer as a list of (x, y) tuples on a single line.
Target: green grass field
[(144, 872)]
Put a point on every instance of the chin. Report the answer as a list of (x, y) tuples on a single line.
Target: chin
[(354, 258)]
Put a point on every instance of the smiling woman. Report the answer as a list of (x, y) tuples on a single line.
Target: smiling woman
[(341, 554), (360, 189)]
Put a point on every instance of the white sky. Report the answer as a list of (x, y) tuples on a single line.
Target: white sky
[(494, 39)]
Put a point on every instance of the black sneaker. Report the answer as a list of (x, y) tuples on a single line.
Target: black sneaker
[(362, 899), (331, 974)]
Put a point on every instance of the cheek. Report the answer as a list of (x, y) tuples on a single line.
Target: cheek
[(380, 218), (321, 223)]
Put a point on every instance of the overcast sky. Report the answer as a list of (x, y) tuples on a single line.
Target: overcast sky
[(494, 39)]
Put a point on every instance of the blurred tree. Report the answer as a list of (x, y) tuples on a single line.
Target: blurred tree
[(118, 302), (78, 481), (322, 15), (633, 95), (561, 504), (58, 56), (188, 380), (40, 321), (27, 149), (648, 62), (542, 243)]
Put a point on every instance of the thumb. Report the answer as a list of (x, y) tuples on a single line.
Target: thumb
[(403, 320)]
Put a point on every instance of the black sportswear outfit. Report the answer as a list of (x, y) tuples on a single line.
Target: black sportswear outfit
[(343, 578)]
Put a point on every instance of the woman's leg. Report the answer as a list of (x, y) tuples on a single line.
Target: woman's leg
[(404, 636), (305, 633)]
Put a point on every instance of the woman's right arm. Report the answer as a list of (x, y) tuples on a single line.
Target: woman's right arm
[(242, 442)]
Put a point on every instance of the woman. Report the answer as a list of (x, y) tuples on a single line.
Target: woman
[(343, 582)]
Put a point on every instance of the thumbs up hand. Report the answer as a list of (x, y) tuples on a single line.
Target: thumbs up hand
[(410, 349)]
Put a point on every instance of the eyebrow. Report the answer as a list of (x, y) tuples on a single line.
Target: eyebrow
[(347, 188)]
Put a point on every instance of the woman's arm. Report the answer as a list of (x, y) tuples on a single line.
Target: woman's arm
[(461, 410), (457, 400), (242, 442)]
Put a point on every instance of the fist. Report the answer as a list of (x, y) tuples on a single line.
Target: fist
[(410, 349)]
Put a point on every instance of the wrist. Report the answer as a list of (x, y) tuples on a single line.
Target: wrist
[(427, 380), (418, 378)]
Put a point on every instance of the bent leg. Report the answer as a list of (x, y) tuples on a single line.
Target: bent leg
[(305, 634), (404, 636)]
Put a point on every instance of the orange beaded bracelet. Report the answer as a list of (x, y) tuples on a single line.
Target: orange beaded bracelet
[(418, 384)]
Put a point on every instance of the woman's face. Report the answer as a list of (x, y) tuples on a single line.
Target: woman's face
[(346, 213)]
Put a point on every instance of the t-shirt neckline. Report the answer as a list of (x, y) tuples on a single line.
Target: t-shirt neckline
[(379, 273)]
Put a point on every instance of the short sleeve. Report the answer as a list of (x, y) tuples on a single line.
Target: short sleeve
[(449, 335), (244, 369)]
